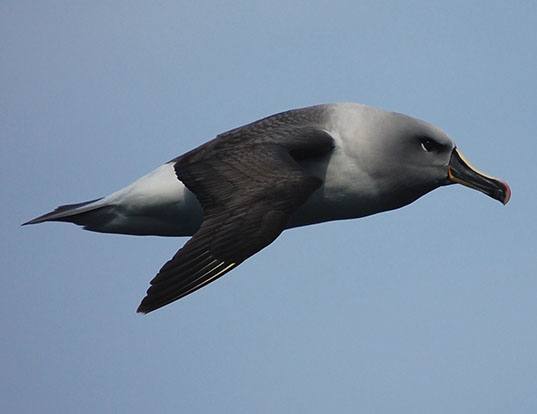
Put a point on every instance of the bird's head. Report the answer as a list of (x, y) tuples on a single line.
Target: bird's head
[(421, 157)]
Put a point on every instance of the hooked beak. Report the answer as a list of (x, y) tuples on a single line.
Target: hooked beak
[(461, 171)]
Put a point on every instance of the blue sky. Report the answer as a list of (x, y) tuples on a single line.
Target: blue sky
[(430, 308)]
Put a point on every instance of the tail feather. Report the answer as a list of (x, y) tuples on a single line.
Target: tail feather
[(74, 213)]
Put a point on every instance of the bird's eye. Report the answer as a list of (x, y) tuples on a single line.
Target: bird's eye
[(428, 145)]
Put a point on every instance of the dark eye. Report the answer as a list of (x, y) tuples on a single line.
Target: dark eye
[(428, 145)]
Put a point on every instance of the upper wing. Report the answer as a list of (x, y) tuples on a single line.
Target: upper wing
[(247, 193)]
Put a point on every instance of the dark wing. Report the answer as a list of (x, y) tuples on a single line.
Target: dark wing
[(248, 193)]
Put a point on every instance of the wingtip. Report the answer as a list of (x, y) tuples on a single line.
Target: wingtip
[(64, 212), (32, 221), (143, 309), (147, 306), (42, 218)]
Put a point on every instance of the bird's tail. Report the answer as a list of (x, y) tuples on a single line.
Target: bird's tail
[(90, 214)]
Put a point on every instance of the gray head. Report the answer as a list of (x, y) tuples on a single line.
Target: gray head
[(418, 157)]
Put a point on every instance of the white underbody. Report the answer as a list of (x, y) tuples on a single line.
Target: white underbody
[(157, 203)]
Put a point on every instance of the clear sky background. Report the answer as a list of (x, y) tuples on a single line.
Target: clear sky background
[(428, 309)]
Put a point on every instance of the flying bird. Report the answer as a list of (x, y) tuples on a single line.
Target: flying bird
[(236, 193)]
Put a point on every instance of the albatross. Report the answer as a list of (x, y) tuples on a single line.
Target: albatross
[(235, 194)]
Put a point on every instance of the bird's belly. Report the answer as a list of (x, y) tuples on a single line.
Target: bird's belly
[(156, 204), (347, 192), (319, 209)]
